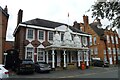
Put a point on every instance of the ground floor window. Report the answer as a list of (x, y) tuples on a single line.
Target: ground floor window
[(40, 55), (29, 53)]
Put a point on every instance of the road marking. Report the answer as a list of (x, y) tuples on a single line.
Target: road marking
[(85, 74)]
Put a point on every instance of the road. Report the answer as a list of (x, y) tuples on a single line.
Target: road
[(96, 72)]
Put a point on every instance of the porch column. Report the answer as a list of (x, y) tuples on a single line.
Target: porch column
[(87, 62), (53, 59), (78, 58), (46, 56), (64, 59)]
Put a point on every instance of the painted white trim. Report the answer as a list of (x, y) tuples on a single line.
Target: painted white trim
[(37, 27), (51, 29)]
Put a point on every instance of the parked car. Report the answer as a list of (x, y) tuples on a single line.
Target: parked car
[(100, 63), (42, 67), (106, 64), (26, 66), (4, 73)]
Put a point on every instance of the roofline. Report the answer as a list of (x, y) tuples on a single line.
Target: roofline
[(39, 27), (4, 12)]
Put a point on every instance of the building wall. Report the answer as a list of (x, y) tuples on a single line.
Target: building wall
[(100, 44), (3, 28)]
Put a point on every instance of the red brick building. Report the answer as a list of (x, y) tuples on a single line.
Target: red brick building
[(3, 28), (104, 43), (52, 42)]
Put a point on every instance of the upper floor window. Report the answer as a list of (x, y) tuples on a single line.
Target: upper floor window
[(90, 40), (62, 35), (109, 50), (30, 33), (95, 50), (116, 38), (91, 51), (118, 51), (114, 51), (108, 39), (94, 40), (50, 37), (84, 40), (41, 35), (112, 38), (104, 51)]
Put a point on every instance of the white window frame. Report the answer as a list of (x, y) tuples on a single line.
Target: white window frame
[(108, 39), (114, 57), (112, 38), (90, 40), (84, 40), (27, 34), (91, 51), (109, 51), (118, 51), (116, 38), (27, 53), (48, 36), (114, 51), (95, 40), (95, 50), (43, 35), (39, 51), (61, 33)]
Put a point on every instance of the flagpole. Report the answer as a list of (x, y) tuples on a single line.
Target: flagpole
[(68, 19)]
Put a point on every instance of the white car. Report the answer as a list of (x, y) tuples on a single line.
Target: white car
[(4, 73)]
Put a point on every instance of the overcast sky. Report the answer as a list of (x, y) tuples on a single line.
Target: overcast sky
[(53, 10)]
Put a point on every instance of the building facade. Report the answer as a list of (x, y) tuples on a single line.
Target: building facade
[(3, 28), (52, 42), (104, 43)]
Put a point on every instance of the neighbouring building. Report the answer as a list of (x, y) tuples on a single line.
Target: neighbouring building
[(3, 28), (52, 42), (104, 43), (9, 45)]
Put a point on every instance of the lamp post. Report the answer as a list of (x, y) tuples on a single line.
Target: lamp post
[(5, 54)]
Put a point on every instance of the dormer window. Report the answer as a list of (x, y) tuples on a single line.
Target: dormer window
[(84, 40), (62, 35)]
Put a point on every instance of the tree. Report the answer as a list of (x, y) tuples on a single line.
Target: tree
[(109, 10)]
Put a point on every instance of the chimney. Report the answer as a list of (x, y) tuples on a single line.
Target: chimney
[(6, 9), (76, 25), (86, 22), (19, 18)]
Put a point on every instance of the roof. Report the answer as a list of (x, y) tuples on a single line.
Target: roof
[(99, 31), (49, 24), (43, 23)]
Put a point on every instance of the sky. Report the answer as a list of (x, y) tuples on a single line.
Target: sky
[(53, 10)]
